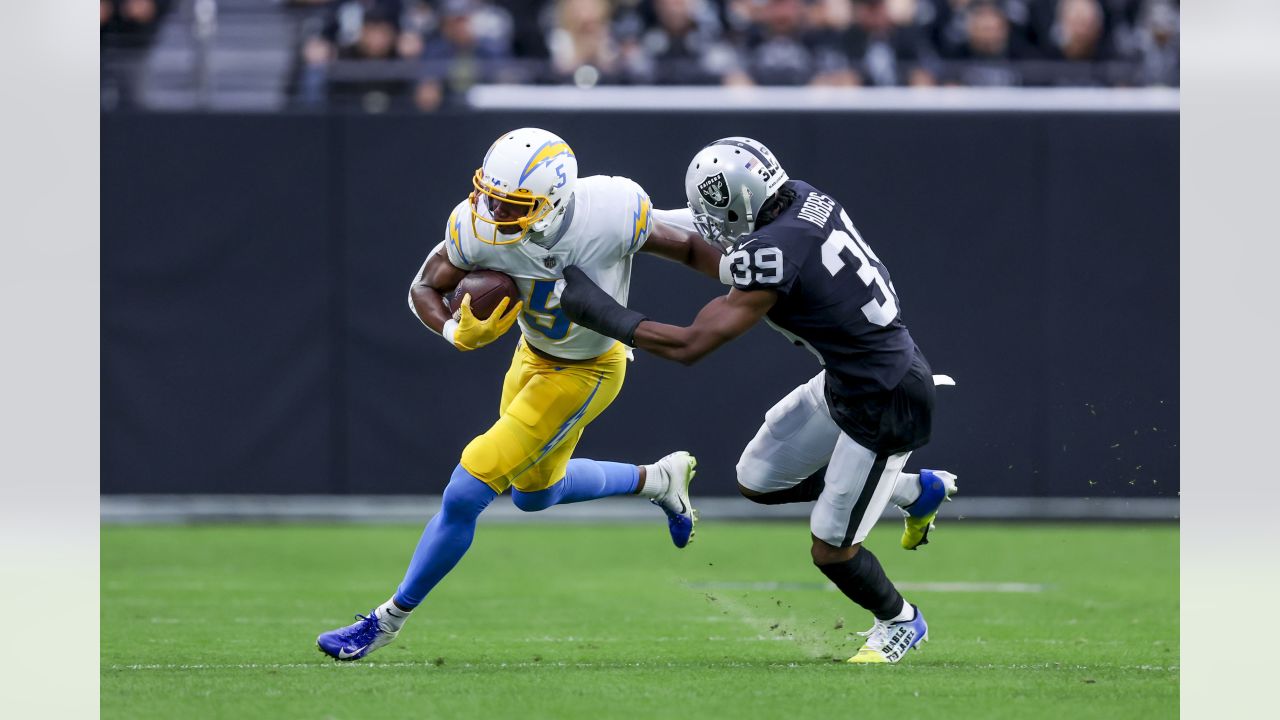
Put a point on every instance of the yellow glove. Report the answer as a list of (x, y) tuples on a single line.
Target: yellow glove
[(471, 333)]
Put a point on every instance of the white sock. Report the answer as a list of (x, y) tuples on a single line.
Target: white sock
[(390, 617), (656, 482), (906, 613), (906, 490)]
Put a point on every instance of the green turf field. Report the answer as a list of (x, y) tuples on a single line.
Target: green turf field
[(545, 620)]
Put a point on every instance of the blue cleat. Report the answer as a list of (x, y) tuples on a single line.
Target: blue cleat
[(936, 486), (356, 640), (887, 642), (681, 516)]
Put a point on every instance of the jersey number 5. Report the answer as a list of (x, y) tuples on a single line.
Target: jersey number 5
[(833, 257), (548, 320)]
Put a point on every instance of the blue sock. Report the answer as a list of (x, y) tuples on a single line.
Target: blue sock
[(583, 480), (446, 538)]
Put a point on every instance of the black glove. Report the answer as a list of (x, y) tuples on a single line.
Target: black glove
[(592, 308)]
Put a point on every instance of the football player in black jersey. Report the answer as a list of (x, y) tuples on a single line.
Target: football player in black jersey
[(842, 439)]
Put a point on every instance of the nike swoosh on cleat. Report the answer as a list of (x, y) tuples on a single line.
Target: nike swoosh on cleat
[(344, 655)]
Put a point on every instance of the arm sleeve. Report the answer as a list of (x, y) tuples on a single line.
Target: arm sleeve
[(678, 217), (454, 239), (587, 305)]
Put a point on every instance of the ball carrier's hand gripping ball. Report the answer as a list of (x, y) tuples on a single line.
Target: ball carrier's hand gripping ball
[(485, 305)]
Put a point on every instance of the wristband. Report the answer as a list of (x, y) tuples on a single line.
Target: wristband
[(447, 332)]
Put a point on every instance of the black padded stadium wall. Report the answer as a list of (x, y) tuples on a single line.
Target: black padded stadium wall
[(256, 337)]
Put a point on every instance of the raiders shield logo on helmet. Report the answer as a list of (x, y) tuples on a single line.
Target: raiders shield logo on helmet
[(715, 191)]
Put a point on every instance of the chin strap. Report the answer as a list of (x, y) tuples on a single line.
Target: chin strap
[(553, 219), (751, 217)]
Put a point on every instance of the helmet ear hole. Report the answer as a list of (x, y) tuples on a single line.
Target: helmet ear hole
[(733, 216)]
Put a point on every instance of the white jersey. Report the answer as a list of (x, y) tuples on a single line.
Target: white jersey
[(608, 222)]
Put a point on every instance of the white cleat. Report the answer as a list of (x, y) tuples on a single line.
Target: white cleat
[(681, 515), (887, 642)]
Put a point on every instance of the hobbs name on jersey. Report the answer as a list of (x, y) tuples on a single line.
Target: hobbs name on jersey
[(817, 209)]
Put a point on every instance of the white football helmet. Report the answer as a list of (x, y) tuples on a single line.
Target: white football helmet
[(528, 169), (726, 184)]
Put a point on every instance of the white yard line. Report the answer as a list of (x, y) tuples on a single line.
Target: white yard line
[(941, 587), (333, 666), (973, 587)]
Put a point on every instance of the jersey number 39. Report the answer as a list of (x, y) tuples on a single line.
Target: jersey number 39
[(767, 268), (833, 257)]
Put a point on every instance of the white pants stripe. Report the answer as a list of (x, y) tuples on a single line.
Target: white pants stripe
[(797, 438)]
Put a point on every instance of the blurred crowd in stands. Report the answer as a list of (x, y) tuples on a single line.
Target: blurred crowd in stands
[(428, 53), (129, 23), (128, 28), (454, 44)]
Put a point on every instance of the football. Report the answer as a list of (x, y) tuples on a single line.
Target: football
[(487, 288)]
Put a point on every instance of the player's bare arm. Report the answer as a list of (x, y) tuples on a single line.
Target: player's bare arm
[(438, 278), (683, 246), (719, 321)]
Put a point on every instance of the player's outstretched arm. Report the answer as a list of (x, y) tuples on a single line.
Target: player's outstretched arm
[(683, 245), (722, 320), (719, 321)]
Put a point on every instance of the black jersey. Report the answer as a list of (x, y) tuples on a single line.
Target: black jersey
[(835, 296)]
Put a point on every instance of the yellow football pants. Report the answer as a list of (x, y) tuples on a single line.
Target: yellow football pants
[(545, 405)]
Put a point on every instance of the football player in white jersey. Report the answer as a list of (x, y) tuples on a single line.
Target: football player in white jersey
[(530, 216)]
